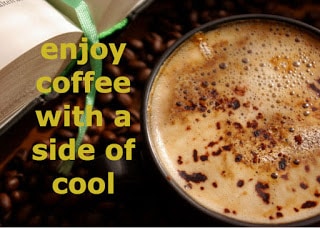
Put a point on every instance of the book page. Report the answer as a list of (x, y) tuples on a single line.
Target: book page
[(27, 23)]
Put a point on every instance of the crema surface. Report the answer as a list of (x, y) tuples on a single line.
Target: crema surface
[(234, 120)]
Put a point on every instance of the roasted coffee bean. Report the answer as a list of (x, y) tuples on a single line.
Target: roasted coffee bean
[(124, 99), (35, 220), (65, 133), (205, 16), (135, 128), (19, 196), (31, 166), (22, 154), (155, 41), (104, 98), (135, 43), (109, 114), (49, 198), (128, 54), (121, 140), (32, 181), (194, 16), (109, 135), (175, 34), (11, 173), (112, 70), (150, 58), (111, 126), (6, 217), (210, 3), (96, 129), (12, 183), (135, 114), (23, 213), (86, 139), (136, 64), (177, 27), (5, 203), (52, 165), (94, 139), (143, 74), (170, 42), (52, 220)]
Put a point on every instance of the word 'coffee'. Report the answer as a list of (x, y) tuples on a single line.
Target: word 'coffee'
[(233, 118)]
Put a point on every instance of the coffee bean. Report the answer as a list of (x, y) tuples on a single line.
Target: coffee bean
[(136, 64), (109, 135), (135, 114), (135, 43), (135, 128), (32, 181), (177, 27), (205, 16), (35, 220), (6, 217), (175, 34), (222, 13), (228, 5), (94, 128), (52, 220), (104, 98), (86, 139), (49, 198), (128, 54), (193, 16), (19, 196), (170, 42), (23, 213), (12, 183), (111, 126), (109, 114), (210, 3), (22, 154), (112, 70), (5, 202), (155, 41), (149, 58), (144, 74), (94, 139), (65, 133), (121, 140), (30, 166), (124, 99), (107, 205)]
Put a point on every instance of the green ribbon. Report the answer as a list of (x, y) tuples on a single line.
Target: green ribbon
[(89, 30)]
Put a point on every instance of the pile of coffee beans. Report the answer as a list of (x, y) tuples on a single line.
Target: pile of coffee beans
[(141, 197)]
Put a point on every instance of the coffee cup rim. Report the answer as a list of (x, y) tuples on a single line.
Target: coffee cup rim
[(144, 109)]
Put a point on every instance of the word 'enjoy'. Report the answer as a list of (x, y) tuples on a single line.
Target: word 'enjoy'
[(51, 51)]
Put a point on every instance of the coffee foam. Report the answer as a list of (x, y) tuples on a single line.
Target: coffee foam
[(234, 115)]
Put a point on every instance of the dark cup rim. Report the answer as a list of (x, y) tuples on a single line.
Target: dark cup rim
[(144, 109)]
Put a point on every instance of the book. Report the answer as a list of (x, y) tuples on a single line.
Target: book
[(25, 26)]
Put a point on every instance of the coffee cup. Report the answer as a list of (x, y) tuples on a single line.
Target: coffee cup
[(231, 116)]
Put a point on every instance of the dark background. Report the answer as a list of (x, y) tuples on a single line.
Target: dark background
[(142, 196)]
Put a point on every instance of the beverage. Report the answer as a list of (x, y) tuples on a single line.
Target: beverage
[(232, 116)]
